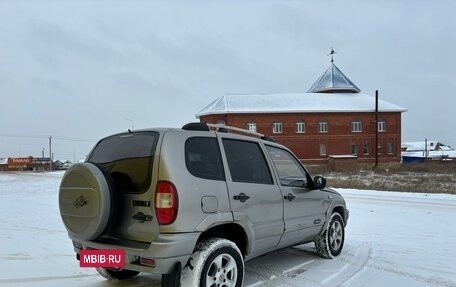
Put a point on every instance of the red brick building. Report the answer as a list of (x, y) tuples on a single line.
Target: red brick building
[(332, 119), (24, 164)]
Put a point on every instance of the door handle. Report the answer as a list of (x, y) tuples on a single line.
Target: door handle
[(141, 217), (241, 197), (289, 196)]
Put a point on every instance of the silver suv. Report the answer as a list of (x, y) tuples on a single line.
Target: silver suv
[(194, 204)]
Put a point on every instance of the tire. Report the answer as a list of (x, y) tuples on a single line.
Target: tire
[(215, 262), (329, 244), (116, 274), (86, 200), (172, 279)]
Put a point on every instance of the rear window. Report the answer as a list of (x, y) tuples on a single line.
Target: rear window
[(128, 158)]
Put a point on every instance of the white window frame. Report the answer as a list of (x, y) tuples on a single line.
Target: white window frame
[(322, 127), (356, 127), (300, 127), (381, 126), (323, 151), (277, 128), (251, 126)]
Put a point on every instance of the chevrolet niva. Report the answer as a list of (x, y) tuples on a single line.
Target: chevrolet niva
[(194, 204)]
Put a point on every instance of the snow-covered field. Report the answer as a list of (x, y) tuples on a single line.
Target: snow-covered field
[(393, 239)]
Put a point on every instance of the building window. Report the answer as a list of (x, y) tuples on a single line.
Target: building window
[(366, 149), (354, 149), (357, 127), (277, 128), (252, 127), (381, 126), (300, 128), (389, 148), (322, 126), (322, 149)]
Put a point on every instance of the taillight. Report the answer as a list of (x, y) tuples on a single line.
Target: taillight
[(166, 202)]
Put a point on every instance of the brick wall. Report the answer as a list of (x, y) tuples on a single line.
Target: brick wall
[(338, 140)]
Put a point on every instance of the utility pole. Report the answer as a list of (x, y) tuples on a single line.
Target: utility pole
[(376, 128), (426, 149), (50, 153)]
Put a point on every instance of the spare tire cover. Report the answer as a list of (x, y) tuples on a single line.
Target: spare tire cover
[(85, 201)]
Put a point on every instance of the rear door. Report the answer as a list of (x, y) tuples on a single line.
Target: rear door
[(304, 207), (256, 202)]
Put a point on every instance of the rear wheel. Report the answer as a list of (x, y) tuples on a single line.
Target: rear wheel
[(111, 274), (330, 243), (214, 263)]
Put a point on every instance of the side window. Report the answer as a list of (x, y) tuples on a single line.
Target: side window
[(246, 162), (290, 171), (202, 157)]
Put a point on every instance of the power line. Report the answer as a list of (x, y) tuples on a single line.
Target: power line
[(74, 139), (47, 137), (24, 136)]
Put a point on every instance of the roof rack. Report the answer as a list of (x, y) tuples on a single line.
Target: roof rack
[(223, 128)]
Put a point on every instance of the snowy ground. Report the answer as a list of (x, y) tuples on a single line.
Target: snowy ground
[(393, 239)]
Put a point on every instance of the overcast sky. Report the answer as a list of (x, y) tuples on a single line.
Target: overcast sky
[(82, 70)]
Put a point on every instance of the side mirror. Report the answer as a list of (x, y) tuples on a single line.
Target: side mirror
[(319, 182)]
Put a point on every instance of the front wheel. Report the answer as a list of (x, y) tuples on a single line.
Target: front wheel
[(111, 274), (215, 262), (329, 244)]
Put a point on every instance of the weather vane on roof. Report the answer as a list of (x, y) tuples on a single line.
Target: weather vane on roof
[(332, 53)]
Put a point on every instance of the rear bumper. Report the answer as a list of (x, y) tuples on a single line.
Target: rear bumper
[(165, 251)]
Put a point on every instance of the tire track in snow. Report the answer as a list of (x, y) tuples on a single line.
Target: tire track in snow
[(364, 262), (44, 278), (16, 256), (416, 277), (368, 263), (289, 277)]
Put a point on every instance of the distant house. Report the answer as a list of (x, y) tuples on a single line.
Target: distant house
[(67, 164), (421, 150), (333, 118), (24, 164), (3, 164), (58, 165), (31, 164), (61, 165)]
